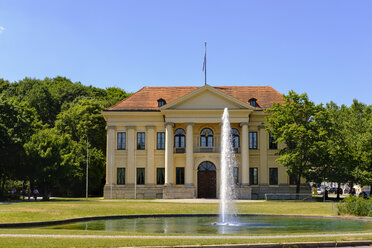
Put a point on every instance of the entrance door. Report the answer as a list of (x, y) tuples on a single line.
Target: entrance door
[(207, 180)]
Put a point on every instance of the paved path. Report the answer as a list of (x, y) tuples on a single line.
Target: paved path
[(179, 236)]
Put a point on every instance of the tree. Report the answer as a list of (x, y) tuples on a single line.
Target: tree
[(114, 95), (17, 123), (359, 137), (293, 124), (53, 161), (83, 120)]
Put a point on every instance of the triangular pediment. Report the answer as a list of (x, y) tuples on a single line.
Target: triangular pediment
[(206, 97)]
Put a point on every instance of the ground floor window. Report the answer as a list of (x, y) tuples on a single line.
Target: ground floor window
[(120, 173), (273, 176), (140, 175), (236, 175), (253, 176), (160, 175), (180, 175)]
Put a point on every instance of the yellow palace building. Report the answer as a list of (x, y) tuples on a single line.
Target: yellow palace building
[(164, 142)]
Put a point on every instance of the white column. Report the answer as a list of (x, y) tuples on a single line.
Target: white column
[(189, 154), (169, 153), (245, 153), (150, 147), (131, 151)]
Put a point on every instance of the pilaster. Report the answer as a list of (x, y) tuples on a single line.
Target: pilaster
[(131, 155), (263, 171), (150, 145), (245, 153), (110, 157)]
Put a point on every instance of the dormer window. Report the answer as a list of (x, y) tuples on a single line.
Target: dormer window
[(161, 102), (253, 102)]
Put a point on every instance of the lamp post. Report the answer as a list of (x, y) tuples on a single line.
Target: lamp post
[(87, 171)]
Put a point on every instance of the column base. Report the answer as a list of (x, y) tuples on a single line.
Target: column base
[(244, 192), (187, 192)]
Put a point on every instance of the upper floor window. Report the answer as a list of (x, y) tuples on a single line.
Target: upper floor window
[(160, 141), (272, 142), (253, 102), (161, 102), (235, 138), (206, 138), (179, 138), (252, 140), (121, 140), (140, 141)]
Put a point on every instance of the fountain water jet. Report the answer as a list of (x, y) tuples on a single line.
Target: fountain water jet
[(228, 214)]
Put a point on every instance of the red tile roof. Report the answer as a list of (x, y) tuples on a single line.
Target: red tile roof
[(147, 97)]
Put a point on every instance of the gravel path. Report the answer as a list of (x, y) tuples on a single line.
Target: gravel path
[(181, 237)]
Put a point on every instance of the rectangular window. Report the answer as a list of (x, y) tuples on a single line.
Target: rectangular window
[(252, 140), (121, 140), (160, 175), (160, 141), (140, 175), (236, 175), (273, 176), (253, 176), (180, 175), (272, 142), (120, 174), (140, 141), (293, 179)]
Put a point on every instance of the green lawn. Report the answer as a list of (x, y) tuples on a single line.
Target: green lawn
[(59, 209), (124, 242)]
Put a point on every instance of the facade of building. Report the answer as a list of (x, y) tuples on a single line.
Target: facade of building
[(164, 142)]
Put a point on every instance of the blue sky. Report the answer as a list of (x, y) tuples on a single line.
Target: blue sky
[(323, 48)]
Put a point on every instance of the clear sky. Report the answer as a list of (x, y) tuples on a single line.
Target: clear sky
[(323, 48)]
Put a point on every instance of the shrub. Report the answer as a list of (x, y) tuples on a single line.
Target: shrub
[(355, 206)]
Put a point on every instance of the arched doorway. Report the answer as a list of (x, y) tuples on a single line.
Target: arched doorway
[(206, 180)]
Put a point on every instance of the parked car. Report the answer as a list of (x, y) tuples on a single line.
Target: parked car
[(332, 190), (320, 191), (365, 194)]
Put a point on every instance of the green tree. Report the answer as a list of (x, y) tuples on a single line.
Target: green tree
[(53, 159), (359, 137), (18, 121), (83, 120), (293, 123)]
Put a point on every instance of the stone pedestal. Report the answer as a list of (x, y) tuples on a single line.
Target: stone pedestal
[(187, 192), (244, 192)]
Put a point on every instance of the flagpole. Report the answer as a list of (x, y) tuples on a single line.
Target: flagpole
[(205, 66)]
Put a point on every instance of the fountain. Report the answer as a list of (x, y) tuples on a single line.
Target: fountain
[(227, 214), (227, 221)]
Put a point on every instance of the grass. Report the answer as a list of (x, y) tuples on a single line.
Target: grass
[(127, 242), (62, 208)]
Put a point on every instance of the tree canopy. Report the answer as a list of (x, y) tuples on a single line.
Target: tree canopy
[(44, 127)]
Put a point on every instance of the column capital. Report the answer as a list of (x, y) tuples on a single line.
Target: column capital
[(243, 123), (169, 123), (189, 123), (261, 126), (131, 127), (110, 127), (150, 127)]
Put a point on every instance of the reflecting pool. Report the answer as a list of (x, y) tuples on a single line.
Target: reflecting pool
[(248, 225)]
